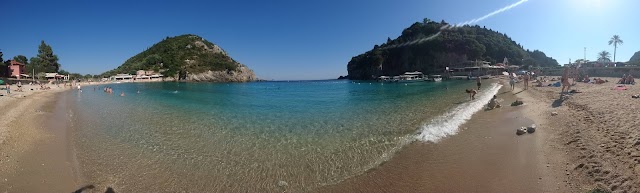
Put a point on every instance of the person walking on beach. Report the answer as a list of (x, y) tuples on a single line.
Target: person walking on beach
[(19, 86), (512, 82), (472, 93), (8, 87), (478, 82)]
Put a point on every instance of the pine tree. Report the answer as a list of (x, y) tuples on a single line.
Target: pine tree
[(47, 59)]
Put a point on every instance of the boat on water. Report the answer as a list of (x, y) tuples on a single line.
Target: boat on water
[(404, 78), (411, 77), (434, 78)]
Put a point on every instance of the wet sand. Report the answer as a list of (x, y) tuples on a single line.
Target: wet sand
[(485, 156)]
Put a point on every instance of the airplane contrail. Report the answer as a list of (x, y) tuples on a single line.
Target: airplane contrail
[(448, 27)]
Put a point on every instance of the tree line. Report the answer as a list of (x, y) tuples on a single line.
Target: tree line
[(44, 62)]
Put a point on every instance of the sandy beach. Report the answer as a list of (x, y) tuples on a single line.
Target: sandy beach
[(486, 156), (586, 140), (35, 154), (597, 130)]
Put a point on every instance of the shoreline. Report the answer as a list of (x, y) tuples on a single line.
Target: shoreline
[(569, 152), (485, 156), (35, 155)]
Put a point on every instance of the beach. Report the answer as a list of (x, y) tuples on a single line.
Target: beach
[(590, 143), (36, 154), (31, 152), (486, 156)]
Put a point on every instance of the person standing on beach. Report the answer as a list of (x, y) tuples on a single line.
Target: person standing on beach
[(565, 80), (525, 78), (478, 82), (512, 82), (8, 87), (472, 93)]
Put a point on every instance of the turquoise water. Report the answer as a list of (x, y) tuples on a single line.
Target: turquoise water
[(261, 136)]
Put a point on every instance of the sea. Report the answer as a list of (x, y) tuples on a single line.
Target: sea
[(255, 137)]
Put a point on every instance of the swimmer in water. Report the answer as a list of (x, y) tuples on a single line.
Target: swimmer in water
[(122, 93)]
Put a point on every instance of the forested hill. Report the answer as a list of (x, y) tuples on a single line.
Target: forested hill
[(187, 57), (635, 59), (452, 47)]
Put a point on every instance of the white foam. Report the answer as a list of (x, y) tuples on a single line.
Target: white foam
[(449, 123)]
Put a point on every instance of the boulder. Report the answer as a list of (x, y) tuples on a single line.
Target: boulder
[(531, 128), (554, 113), (521, 131)]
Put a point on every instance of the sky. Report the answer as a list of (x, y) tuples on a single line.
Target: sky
[(300, 40)]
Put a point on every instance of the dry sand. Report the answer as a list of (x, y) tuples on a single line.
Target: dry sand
[(598, 131)]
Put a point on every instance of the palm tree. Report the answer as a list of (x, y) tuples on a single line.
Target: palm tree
[(615, 40), (604, 56)]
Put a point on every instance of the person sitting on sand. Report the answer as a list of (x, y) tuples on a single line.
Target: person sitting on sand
[(630, 80), (493, 103), (586, 79), (472, 93), (623, 79)]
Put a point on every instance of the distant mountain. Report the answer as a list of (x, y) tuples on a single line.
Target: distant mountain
[(187, 57), (635, 59), (420, 49)]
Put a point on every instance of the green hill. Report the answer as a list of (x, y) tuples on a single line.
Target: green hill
[(635, 59), (451, 47), (186, 57)]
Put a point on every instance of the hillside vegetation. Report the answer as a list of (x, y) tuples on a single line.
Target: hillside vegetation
[(183, 57), (635, 59), (451, 48)]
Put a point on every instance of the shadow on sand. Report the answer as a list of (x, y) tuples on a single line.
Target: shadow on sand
[(89, 187), (558, 102), (518, 92)]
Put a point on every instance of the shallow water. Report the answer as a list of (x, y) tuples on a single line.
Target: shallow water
[(262, 136)]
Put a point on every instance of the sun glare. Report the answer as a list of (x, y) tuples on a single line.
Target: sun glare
[(589, 3)]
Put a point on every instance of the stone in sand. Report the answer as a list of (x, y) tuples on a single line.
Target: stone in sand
[(531, 128), (554, 113), (283, 184), (521, 131)]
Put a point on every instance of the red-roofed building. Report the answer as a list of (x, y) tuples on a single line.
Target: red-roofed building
[(16, 69)]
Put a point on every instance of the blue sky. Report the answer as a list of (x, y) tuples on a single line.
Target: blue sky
[(293, 39)]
